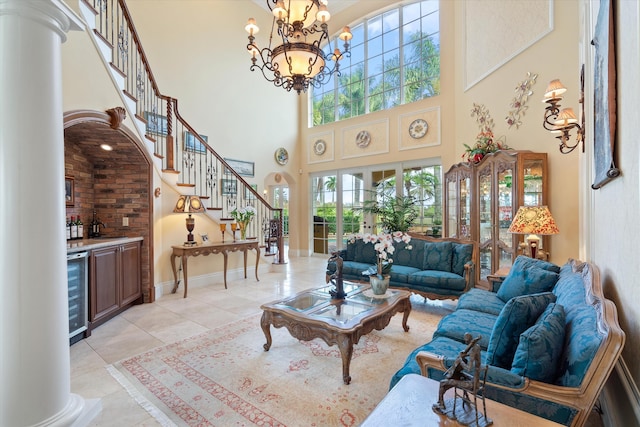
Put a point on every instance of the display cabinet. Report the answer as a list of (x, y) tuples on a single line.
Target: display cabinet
[(481, 200)]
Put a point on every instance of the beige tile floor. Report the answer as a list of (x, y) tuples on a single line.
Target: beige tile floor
[(172, 318)]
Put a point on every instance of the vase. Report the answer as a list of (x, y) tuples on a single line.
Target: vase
[(379, 285), (243, 231)]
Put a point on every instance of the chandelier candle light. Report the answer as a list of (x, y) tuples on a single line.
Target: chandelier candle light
[(298, 61), (533, 220)]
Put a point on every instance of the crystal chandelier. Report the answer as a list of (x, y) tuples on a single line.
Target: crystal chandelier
[(297, 61)]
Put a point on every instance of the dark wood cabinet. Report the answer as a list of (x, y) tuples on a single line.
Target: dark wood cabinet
[(114, 283)]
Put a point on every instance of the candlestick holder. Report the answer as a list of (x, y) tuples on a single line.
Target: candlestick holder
[(234, 227), (223, 228)]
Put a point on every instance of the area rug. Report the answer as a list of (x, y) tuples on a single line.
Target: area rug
[(225, 378)]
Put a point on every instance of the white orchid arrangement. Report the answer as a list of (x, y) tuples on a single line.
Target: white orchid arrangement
[(383, 245)]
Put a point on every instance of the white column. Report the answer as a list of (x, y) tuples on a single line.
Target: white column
[(34, 346)]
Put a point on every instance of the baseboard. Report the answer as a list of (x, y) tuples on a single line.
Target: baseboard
[(620, 399), (165, 288)]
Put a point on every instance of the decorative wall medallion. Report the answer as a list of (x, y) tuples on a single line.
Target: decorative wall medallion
[(363, 139), (418, 128), (278, 178), (282, 157), (319, 147)]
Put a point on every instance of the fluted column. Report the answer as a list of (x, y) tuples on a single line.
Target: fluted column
[(34, 346)]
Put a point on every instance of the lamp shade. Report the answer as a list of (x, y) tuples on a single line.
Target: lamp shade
[(533, 220), (188, 204)]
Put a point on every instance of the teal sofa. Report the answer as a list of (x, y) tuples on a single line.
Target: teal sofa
[(549, 338), (434, 268)]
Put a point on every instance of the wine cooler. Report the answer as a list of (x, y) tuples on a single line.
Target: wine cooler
[(77, 279)]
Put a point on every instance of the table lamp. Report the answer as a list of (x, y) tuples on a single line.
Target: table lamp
[(533, 220), (189, 205)]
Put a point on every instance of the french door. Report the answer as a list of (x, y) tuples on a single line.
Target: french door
[(338, 198)]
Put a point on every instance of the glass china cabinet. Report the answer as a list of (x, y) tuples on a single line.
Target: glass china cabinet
[(482, 199), (458, 201)]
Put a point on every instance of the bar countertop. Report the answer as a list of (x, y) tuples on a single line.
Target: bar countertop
[(97, 243)]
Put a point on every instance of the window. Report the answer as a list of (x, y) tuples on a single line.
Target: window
[(338, 198), (395, 59)]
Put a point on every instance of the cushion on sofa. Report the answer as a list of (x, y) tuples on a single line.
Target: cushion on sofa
[(455, 325), (462, 254), (525, 281), (437, 256), (481, 300), (540, 347), (523, 261), (365, 252), (413, 257), (444, 280), (518, 314)]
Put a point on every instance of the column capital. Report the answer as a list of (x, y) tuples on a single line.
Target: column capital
[(54, 14)]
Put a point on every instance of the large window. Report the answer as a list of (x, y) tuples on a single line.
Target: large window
[(338, 198), (395, 59)]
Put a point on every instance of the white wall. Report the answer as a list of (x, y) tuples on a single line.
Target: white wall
[(611, 214)]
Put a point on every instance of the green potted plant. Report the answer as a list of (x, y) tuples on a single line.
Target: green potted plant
[(397, 213)]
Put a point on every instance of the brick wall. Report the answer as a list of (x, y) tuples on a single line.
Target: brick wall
[(114, 191)]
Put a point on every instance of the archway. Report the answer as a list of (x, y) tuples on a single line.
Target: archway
[(117, 184)]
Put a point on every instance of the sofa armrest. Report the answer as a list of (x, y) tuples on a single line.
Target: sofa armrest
[(469, 275)]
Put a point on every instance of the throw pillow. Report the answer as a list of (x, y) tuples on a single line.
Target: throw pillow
[(523, 262), (517, 315), (437, 256), (462, 253), (531, 280), (540, 347)]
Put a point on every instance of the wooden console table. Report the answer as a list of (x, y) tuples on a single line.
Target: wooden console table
[(214, 248)]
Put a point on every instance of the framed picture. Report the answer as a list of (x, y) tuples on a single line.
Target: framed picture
[(241, 167), (604, 125), (193, 144), (68, 190), (248, 195), (228, 187), (156, 123), (205, 237)]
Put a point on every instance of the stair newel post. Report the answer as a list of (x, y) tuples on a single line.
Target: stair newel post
[(169, 139)]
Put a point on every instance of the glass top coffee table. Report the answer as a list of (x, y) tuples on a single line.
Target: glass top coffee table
[(313, 314)]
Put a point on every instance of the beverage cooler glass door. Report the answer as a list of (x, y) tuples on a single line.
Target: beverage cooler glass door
[(77, 279)]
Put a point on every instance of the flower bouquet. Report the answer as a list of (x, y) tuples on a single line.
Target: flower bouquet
[(243, 218), (485, 144), (383, 245)]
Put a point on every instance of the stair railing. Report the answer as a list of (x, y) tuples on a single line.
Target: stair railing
[(181, 148)]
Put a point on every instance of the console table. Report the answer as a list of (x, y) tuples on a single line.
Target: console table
[(211, 248)]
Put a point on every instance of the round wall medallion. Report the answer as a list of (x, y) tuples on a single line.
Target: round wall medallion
[(418, 128), (278, 178), (282, 157), (319, 147), (363, 138)]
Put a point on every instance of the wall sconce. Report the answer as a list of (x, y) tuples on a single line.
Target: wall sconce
[(560, 122), (189, 205)]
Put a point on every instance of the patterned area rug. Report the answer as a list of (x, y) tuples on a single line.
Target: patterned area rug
[(224, 377)]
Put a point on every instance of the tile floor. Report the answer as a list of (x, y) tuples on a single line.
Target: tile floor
[(172, 318)]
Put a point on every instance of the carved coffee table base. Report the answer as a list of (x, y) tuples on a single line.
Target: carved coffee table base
[(307, 328)]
